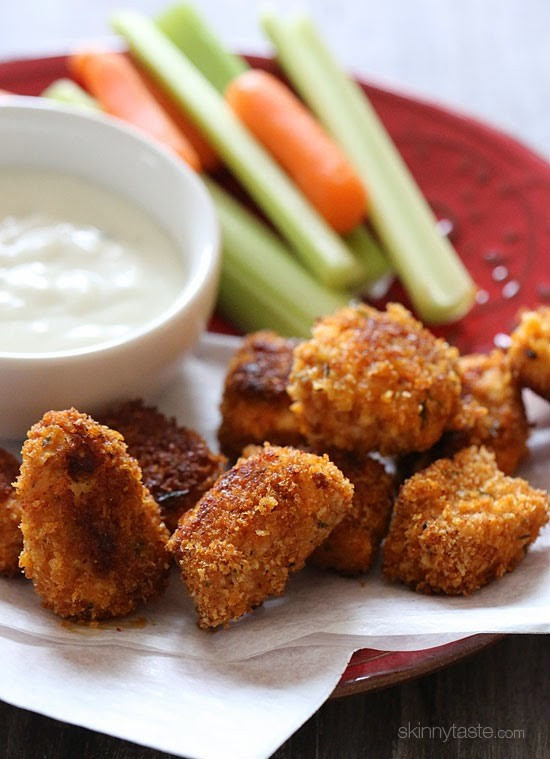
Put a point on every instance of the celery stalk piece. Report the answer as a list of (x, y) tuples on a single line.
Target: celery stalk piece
[(321, 250), (367, 249), (186, 29), (262, 285), (435, 278), (191, 35), (69, 92)]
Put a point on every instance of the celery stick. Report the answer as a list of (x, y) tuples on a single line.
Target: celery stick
[(67, 91), (367, 249), (262, 285), (319, 247), (250, 310), (188, 31), (185, 28), (431, 271)]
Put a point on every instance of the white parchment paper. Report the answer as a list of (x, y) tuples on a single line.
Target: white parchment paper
[(291, 651)]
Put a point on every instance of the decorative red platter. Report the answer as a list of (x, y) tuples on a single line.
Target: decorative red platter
[(492, 197)]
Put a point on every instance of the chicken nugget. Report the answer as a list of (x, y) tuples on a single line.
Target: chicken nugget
[(490, 413), (488, 380), (11, 539), (93, 538), (461, 523), (258, 524), (256, 406), (353, 544), (374, 380), (177, 465), (530, 351)]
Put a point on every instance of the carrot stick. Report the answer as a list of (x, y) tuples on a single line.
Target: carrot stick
[(113, 80), (312, 239), (298, 142), (208, 157)]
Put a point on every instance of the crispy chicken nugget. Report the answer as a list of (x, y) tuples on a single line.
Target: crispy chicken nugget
[(11, 539), (374, 380), (490, 413), (255, 405), (489, 381), (258, 524), (353, 544), (461, 523), (177, 465), (93, 538), (530, 351)]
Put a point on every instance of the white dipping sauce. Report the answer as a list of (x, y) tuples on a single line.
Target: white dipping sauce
[(80, 265)]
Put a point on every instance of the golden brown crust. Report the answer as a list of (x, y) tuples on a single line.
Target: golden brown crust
[(177, 465), (461, 523), (530, 351), (258, 524), (255, 404), (11, 539), (93, 538), (374, 380), (353, 544)]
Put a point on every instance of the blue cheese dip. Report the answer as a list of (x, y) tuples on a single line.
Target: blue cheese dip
[(80, 266)]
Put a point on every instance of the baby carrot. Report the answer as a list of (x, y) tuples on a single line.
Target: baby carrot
[(298, 142), (113, 80)]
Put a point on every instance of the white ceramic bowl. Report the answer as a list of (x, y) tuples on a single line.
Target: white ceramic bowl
[(50, 137)]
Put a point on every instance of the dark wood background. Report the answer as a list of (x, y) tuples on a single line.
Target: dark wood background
[(505, 687)]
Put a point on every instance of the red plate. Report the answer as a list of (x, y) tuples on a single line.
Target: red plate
[(494, 194)]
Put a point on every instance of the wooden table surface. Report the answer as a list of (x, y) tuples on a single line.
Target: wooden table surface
[(490, 59), (504, 688)]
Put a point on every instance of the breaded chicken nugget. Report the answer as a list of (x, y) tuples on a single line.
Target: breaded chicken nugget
[(11, 538), (255, 405), (489, 381), (530, 351), (460, 524), (353, 544), (490, 413), (373, 380), (177, 465), (93, 539), (258, 524)]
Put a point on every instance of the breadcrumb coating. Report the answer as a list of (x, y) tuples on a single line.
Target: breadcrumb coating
[(256, 406), (530, 351), (353, 544), (177, 465), (11, 538), (461, 523), (256, 526), (374, 380), (93, 539)]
